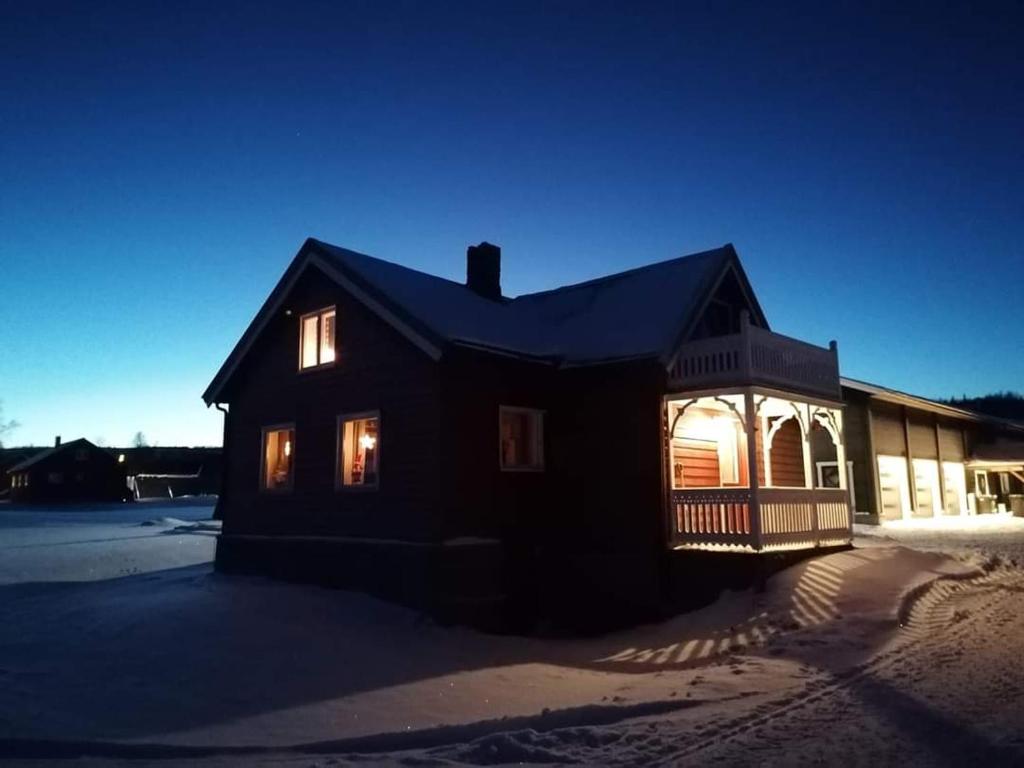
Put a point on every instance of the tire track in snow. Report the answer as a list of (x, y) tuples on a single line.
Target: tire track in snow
[(929, 623)]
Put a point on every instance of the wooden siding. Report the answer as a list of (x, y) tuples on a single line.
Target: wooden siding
[(700, 462), (888, 424), (376, 369), (951, 441), (858, 450), (922, 436)]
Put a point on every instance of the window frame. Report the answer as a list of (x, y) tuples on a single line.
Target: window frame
[(262, 479), (980, 473), (537, 413), (339, 455), (318, 314)]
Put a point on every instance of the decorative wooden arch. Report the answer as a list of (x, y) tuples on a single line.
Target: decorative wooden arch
[(693, 401), (827, 420)]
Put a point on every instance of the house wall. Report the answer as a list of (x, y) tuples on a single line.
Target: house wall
[(858, 450), (608, 521), (951, 440), (890, 438), (376, 369), (922, 434)]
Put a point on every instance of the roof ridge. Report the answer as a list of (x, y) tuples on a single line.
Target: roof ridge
[(389, 263), (626, 272)]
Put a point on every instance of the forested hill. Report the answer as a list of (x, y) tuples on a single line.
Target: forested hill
[(1005, 405)]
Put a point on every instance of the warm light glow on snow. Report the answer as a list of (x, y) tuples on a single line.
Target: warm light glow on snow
[(956, 522)]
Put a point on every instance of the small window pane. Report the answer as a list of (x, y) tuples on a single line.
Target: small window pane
[(309, 341), (278, 449), (521, 439), (327, 337), (360, 451)]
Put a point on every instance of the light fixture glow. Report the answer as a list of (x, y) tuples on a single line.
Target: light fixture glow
[(120, 458), (287, 447), (368, 442)]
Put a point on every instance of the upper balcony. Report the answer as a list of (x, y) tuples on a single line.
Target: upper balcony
[(755, 356)]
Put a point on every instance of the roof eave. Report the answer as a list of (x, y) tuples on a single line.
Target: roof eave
[(312, 253)]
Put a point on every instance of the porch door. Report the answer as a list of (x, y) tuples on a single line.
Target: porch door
[(892, 478)]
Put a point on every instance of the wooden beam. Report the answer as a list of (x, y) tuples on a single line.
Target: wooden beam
[(910, 462), (942, 469), (876, 485), (755, 507)]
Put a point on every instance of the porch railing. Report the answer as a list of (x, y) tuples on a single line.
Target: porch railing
[(757, 356), (782, 518)]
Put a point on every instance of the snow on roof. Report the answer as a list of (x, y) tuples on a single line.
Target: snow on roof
[(626, 315)]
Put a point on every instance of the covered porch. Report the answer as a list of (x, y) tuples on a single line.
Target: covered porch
[(751, 467)]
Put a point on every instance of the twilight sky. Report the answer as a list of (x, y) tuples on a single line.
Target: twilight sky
[(159, 167)]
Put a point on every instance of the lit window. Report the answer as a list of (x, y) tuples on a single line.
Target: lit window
[(521, 438), (359, 450), (278, 458), (316, 338)]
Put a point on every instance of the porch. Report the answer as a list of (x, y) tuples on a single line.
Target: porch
[(754, 446)]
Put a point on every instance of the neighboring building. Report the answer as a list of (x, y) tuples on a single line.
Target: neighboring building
[(444, 446), (72, 472), (909, 457)]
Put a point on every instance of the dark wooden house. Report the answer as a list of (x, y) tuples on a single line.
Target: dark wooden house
[(73, 472), (910, 457), (442, 445)]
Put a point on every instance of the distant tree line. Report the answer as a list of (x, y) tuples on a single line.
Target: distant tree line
[(1004, 405)]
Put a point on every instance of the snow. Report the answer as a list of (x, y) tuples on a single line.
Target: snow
[(138, 649), (965, 537)]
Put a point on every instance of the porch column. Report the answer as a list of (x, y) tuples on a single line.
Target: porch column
[(755, 507)]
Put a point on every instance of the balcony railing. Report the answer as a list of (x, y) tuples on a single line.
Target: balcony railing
[(757, 356), (780, 518)]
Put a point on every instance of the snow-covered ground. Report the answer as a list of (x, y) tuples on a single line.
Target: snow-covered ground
[(883, 654), (1000, 536)]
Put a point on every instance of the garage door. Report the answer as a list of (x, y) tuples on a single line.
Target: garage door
[(926, 484), (954, 477), (892, 479)]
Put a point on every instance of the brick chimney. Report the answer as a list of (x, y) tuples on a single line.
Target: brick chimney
[(56, 442), (483, 270)]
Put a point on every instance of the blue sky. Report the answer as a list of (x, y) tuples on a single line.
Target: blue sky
[(160, 166)]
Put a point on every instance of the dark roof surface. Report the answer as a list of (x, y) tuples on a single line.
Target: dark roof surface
[(48, 452), (634, 314), (629, 314)]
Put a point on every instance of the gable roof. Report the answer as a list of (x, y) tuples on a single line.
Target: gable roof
[(639, 313), (48, 452)]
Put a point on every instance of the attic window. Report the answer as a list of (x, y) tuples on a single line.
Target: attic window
[(316, 339)]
